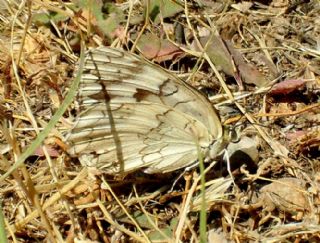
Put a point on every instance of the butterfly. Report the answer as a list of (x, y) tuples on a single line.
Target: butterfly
[(136, 115)]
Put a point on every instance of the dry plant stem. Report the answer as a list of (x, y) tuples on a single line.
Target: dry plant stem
[(186, 10), (148, 218), (48, 6), (239, 95), (199, 63), (185, 209), (33, 196), (24, 32), (155, 194), (235, 217), (303, 49), (12, 234), (88, 24), (125, 210), (146, 23), (297, 112), (15, 69), (188, 224), (128, 20), (262, 44), (8, 134), (194, 234), (186, 188), (186, 206), (109, 219), (227, 219), (57, 234), (54, 198), (293, 229), (56, 180)]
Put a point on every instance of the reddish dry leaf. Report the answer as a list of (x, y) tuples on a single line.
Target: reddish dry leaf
[(249, 74), (231, 62), (51, 150), (152, 47), (120, 33), (287, 86), (293, 136)]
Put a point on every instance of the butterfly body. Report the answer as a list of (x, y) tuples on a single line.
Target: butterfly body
[(136, 115)]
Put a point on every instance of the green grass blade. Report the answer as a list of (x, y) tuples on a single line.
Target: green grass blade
[(3, 236), (203, 213)]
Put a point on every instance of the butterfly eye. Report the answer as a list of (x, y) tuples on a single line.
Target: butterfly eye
[(135, 115), (233, 133)]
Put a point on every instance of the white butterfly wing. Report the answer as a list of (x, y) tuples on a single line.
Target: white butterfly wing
[(136, 115)]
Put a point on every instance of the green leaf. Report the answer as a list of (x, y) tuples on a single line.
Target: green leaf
[(106, 17), (164, 8), (41, 19)]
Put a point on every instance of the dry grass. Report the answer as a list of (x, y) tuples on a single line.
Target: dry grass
[(51, 197)]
